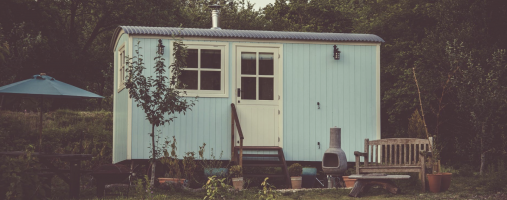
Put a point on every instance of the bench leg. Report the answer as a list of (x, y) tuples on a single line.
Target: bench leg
[(100, 187), (358, 188), (364, 185)]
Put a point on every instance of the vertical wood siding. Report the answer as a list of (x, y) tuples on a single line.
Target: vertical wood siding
[(344, 88), (120, 117), (208, 121)]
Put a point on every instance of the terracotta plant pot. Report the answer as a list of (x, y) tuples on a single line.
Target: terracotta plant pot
[(446, 181), (237, 183), (349, 183), (434, 182), (296, 182), (171, 180)]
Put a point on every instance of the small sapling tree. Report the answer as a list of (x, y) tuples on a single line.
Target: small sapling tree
[(157, 96)]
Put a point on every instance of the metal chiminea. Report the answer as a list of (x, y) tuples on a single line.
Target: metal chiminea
[(334, 161)]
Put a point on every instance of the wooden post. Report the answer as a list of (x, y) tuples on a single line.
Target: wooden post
[(233, 152), (423, 172), (241, 152), (40, 125), (366, 145), (75, 168)]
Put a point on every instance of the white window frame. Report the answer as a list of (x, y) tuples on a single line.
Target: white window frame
[(121, 68), (224, 69)]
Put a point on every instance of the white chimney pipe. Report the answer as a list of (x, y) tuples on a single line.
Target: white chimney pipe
[(215, 16)]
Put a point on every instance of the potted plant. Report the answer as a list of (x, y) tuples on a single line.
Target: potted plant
[(295, 171), (349, 183), (212, 167), (171, 159), (237, 177), (309, 174)]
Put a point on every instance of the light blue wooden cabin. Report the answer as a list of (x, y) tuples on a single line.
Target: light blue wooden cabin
[(287, 87)]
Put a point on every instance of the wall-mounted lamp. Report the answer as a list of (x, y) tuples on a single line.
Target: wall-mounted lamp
[(336, 54), (160, 47)]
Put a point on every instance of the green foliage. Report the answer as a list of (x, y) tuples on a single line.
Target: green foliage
[(295, 169), (481, 95), (64, 131), (268, 191), (171, 159), (416, 126), (189, 165), (466, 171), (143, 190), (18, 176), (216, 188), (236, 171), (213, 162), (158, 97), (496, 178), (306, 16)]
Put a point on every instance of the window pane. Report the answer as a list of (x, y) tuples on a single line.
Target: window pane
[(192, 58), (210, 80), (266, 89), (248, 87), (248, 63), (188, 78), (210, 59), (266, 63)]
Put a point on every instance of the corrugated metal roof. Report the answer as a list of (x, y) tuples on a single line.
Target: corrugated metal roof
[(247, 34)]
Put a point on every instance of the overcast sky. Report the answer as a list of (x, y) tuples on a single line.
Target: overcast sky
[(261, 3)]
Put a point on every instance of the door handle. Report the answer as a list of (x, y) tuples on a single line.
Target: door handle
[(239, 92)]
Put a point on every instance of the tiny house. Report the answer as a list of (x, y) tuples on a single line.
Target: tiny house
[(288, 89)]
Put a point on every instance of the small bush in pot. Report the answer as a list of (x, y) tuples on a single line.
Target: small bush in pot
[(236, 172), (295, 171)]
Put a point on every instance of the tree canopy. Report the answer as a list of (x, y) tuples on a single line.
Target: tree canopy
[(68, 40)]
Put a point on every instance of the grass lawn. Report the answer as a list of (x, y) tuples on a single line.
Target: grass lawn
[(461, 188)]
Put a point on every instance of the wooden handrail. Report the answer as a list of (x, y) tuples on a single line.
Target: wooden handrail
[(235, 120)]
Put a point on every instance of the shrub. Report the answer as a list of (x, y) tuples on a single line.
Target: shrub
[(216, 188), (189, 165), (466, 171), (496, 179), (268, 191), (295, 169), (18, 177)]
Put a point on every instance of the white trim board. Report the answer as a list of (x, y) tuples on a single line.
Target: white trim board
[(129, 111), (377, 94), (280, 78), (265, 41)]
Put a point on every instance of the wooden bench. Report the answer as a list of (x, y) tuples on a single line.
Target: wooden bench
[(394, 155), (365, 181)]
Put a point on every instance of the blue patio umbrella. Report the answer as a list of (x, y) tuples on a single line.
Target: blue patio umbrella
[(45, 86)]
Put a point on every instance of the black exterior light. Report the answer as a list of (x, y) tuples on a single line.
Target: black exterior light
[(336, 53), (160, 47)]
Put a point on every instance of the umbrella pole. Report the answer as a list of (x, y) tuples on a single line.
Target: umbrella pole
[(40, 119)]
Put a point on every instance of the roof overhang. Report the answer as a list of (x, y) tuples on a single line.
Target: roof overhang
[(243, 34)]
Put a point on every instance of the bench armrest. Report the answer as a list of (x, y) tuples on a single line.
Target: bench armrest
[(357, 154), (358, 159), (426, 153)]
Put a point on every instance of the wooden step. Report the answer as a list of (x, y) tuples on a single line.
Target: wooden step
[(261, 155), (264, 175), (259, 148), (263, 165)]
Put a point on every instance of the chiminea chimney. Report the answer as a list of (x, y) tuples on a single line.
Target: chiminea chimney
[(215, 16)]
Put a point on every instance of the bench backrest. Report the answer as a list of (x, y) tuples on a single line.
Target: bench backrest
[(395, 151)]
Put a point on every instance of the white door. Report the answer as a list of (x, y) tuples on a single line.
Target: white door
[(257, 95)]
